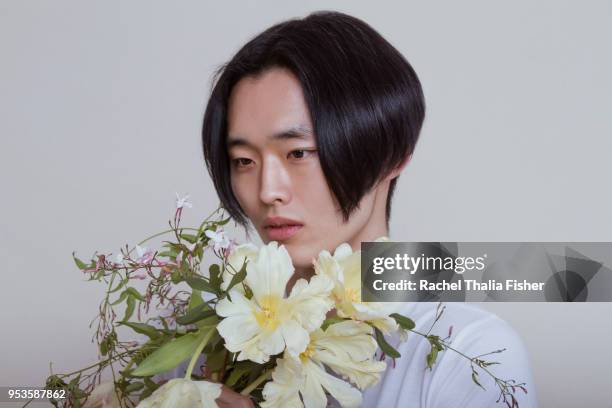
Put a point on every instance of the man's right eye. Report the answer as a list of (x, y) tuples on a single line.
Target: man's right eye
[(242, 162)]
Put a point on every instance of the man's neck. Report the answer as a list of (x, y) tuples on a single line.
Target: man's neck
[(375, 228)]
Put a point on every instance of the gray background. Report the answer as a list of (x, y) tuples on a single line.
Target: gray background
[(101, 107)]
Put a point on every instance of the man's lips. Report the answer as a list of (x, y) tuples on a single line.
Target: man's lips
[(277, 221), (281, 232), (278, 228)]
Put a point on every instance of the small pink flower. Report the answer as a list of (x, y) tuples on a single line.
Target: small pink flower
[(232, 244), (140, 275), (144, 255)]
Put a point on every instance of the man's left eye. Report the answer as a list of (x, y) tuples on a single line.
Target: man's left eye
[(301, 153)]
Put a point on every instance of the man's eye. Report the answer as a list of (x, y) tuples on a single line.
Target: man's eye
[(301, 153), (242, 162)]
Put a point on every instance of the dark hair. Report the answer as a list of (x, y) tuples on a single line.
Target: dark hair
[(365, 100)]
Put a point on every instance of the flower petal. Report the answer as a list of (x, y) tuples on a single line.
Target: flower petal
[(295, 337), (343, 392), (283, 390), (269, 273), (209, 392), (310, 301)]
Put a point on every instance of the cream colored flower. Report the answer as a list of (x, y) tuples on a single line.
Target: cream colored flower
[(346, 348), (269, 322), (103, 396), (182, 393), (344, 269)]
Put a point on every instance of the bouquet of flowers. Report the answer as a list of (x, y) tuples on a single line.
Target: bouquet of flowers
[(283, 349)]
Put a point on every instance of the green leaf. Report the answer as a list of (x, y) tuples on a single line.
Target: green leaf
[(150, 386), (200, 284), (135, 386), (198, 313), (240, 370), (331, 320), (223, 222), (104, 347), (142, 328), (121, 298), (384, 346), (119, 285), (431, 357), (435, 342), (238, 277), (195, 300), (129, 310), (189, 238), (215, 276), (403, 321), (475, 379), (171, 354), (133, 292), (80, 264), (175, 277)]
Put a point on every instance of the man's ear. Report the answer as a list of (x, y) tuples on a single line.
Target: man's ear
[(397, 170)]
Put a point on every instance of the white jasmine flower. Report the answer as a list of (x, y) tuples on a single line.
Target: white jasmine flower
[(269, 322), (182, 393), (347, 348), (218, 240), (182, 202), (344, 269), (119, 258)]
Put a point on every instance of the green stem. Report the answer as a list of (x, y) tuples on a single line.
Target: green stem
[(263, 377), (94, 365), (164, 232), (197, 353)]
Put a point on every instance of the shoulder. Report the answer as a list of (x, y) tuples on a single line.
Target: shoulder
[(473, 331)]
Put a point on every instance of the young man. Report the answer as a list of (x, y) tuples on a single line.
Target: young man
[(305, 133)]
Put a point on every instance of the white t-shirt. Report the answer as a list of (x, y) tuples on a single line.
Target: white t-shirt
[(410, 384)]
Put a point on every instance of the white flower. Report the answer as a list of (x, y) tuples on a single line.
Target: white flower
[(269, 322), (119, 258), (344, 269), (182, 201), (182, 393), (347, 348), (217, 239), (103, 396)]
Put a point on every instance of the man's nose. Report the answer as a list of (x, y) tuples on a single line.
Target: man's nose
[(275, 185)]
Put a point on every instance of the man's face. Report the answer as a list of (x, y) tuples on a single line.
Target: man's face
[(275, 169)]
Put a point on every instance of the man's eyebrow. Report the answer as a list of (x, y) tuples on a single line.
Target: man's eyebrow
[(296, 132)]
